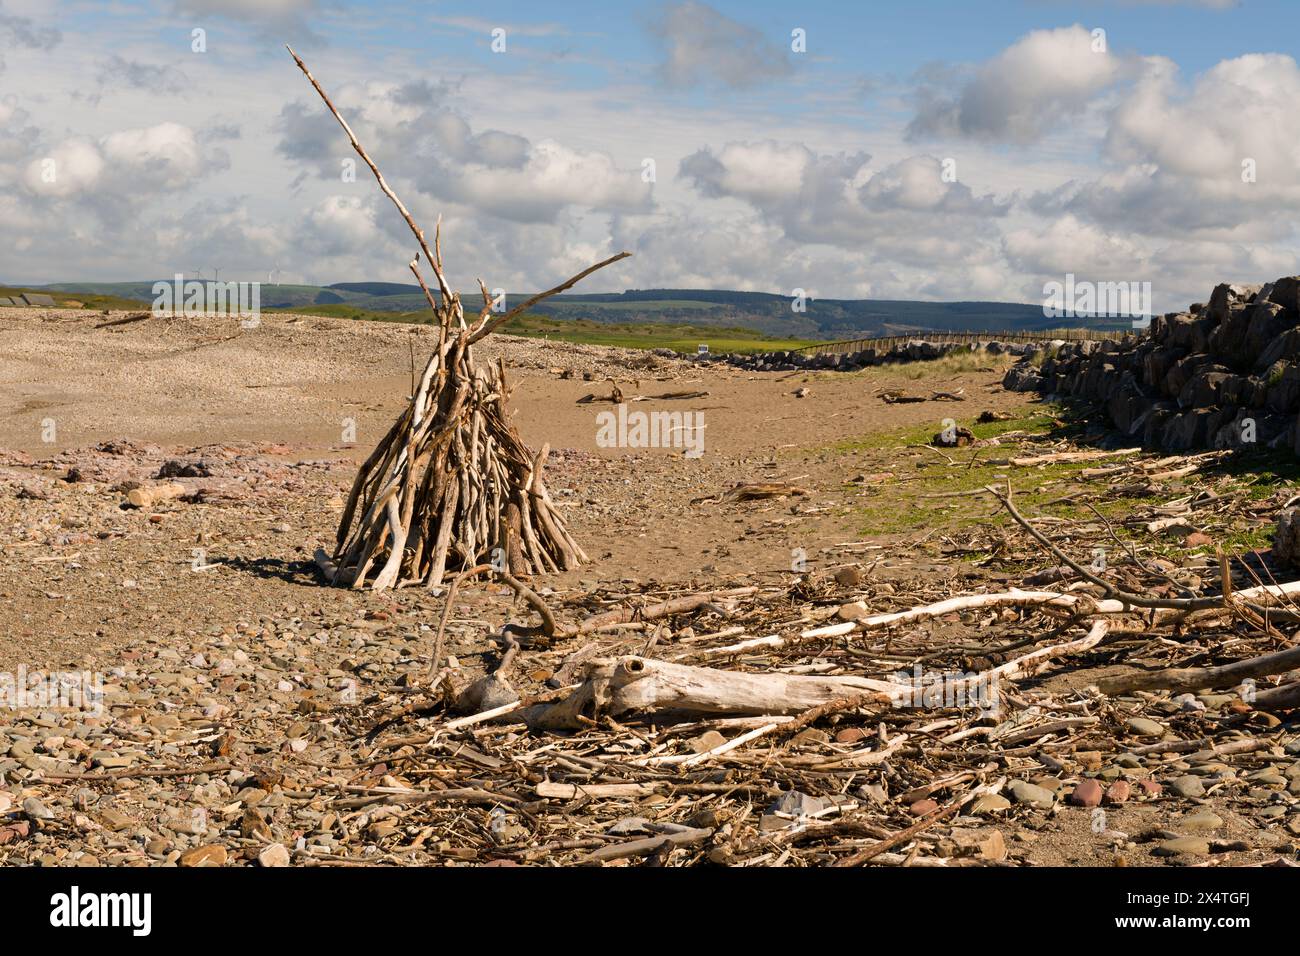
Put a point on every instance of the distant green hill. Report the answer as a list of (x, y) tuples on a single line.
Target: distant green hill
[(73, 301), (760, 312)]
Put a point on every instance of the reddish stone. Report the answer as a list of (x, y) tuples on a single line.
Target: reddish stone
[(850, 735), (1150, 787), (1087, 794), (922, 807), (15, 831), (1118, 792)]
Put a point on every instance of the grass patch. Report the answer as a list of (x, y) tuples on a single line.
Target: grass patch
[(341, 310), (1043, 419), (955, 363), (928, 492)]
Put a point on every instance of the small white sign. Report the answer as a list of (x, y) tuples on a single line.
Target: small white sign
[(702, 349)]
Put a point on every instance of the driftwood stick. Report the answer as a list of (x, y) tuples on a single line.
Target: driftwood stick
[(434, 261), (1180, 679), (486, 328), (681, 605), (435, 660), (1135, 600), (903, 836)]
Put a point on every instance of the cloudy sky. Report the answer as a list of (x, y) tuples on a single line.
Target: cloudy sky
[(935, 149)]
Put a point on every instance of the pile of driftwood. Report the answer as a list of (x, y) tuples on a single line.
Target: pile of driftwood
[(687, 724), (451, 485), (709, 707)]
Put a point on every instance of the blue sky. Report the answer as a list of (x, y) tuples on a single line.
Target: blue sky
[(914, 150)]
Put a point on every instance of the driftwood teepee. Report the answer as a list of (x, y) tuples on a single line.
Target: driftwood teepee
[(452, 485)]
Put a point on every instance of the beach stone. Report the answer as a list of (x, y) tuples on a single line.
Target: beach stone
[(36, 810), (115, 819), (1118, 792), (1087, 794), (1268, 777), (1188, 787), (797, 804), (1032, 795), (989, 803), (922, 807), (1201, 821), (210, 854), (1145, 727), (1181, 846), (274, 855)]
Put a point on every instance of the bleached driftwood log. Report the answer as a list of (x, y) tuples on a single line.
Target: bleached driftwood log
[(1255, 598), (637, 683), (625, 684), (147, 495)]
